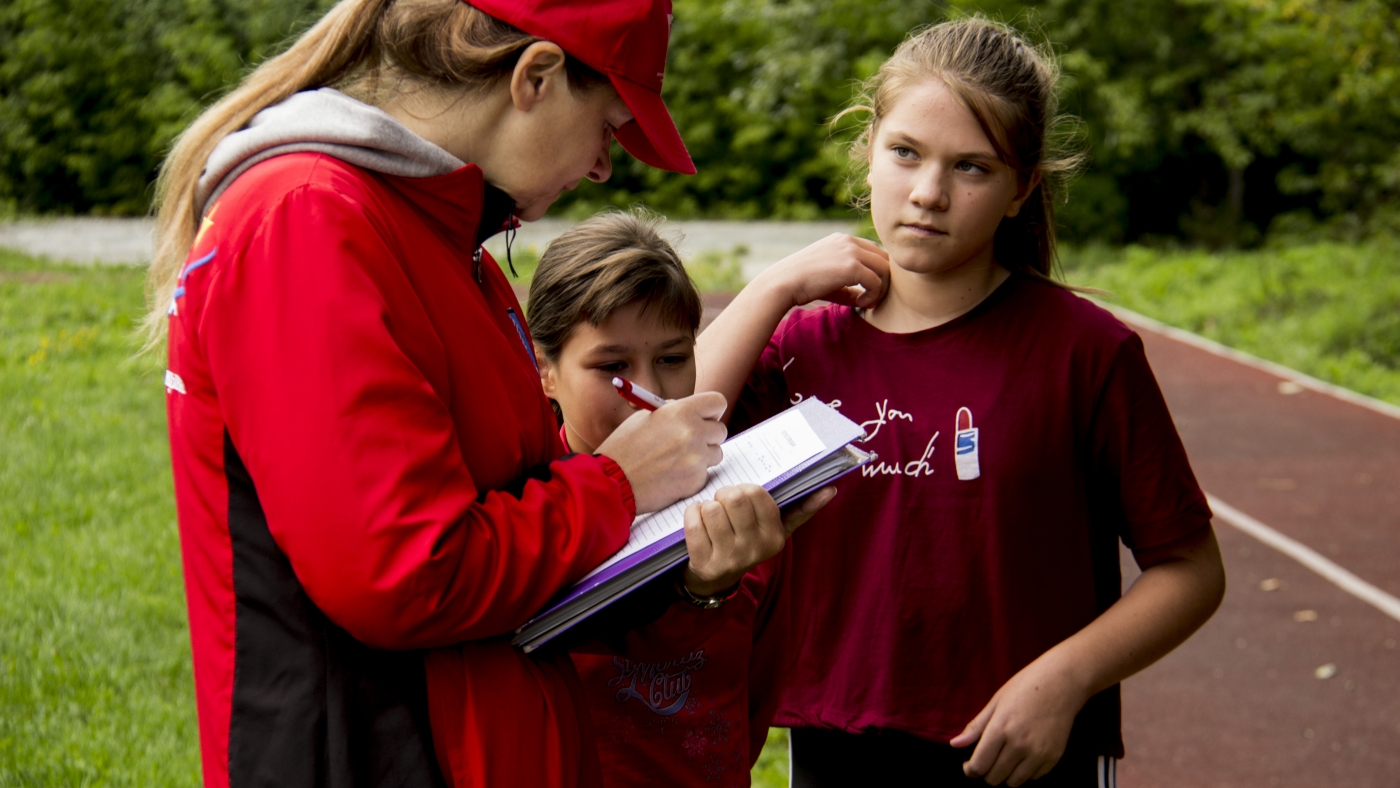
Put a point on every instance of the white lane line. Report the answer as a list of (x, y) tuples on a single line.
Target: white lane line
[(1211, 346), (1308, 557)]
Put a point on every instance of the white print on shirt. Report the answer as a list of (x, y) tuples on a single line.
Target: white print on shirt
[(884, 414), (173, 382), (911, 468), (662, 687), (834, 404), (965, 447), (796, 397)]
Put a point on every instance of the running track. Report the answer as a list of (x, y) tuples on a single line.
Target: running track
[(1241, 703)]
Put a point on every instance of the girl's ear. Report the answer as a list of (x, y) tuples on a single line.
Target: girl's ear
[(1023, 193), (537, 71)]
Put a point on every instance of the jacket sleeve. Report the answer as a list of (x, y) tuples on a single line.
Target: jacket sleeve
[(355, 458)]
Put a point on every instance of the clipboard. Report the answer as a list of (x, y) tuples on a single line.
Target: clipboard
[(794, 453)]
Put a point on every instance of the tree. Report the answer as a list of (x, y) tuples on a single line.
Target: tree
[(93, 91)]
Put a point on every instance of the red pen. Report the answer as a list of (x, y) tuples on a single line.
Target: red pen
[(637, 395)]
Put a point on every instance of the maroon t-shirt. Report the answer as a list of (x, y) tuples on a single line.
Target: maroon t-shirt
[(1017, 444)]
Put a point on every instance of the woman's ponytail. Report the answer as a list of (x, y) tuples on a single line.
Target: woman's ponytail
[(340, 44)]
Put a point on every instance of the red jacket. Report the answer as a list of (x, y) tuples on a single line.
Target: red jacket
[(365, 467)]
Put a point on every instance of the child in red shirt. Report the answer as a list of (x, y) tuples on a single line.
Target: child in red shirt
[(957, 610), (686, 699)]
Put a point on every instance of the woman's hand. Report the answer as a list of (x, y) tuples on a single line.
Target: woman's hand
[(740, 529), (667, 453), (1022, 732)]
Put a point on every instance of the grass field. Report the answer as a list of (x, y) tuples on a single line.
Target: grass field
[(95, 684), (1330, 310)]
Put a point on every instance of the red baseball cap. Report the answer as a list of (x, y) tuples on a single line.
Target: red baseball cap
[(627, 41)]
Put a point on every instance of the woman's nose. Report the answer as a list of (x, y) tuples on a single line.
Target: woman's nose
[(602, 168)]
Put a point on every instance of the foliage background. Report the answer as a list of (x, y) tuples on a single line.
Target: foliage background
[(1208, 121)]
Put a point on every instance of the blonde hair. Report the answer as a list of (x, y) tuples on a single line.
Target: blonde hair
[(435, 43), (1009, 86), (602, 265)]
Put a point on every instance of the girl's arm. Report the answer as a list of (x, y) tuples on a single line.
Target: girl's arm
[(839, 268), (1022, 732)]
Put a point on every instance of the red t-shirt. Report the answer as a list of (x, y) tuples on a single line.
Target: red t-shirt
[(686, 700), (1016, 445)]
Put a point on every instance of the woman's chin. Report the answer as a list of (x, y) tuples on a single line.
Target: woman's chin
[(534, 212)]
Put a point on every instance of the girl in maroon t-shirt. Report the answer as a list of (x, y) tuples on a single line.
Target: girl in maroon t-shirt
[(957, 609)]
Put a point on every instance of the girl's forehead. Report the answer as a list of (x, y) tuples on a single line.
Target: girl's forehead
[(632, 328), (929, 112)]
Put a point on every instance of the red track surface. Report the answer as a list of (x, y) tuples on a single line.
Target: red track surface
[(1240, 704)]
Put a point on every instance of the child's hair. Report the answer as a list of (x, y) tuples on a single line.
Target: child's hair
[(366, 47), (1009, 86), (601, 266)]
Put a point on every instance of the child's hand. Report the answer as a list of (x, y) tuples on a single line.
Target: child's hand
[(1022, 732), (740, 529), (839, 268)]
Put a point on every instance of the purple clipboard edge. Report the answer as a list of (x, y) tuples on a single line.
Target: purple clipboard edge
[(573, 594)]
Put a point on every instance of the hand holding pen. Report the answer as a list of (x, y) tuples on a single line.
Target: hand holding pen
[(666, 448), (741, 528)]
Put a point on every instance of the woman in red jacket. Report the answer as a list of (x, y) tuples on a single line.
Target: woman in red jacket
[(365, 466)]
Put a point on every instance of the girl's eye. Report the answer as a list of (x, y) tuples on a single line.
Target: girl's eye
[(967, 166), (903, 152), (672, 360), (612, 368)]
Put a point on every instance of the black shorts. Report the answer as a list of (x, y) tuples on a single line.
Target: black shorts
[(835, 759)]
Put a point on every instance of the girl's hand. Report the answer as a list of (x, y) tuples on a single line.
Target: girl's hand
[(839, 268), (740, 529), (1022, 732)]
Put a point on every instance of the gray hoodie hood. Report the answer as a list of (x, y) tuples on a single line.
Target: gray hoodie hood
[(323, 121)]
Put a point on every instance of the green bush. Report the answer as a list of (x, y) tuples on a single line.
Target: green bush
[(1217, 121), (1214, 119), (1331, 310), (751, 85), (93, 91)]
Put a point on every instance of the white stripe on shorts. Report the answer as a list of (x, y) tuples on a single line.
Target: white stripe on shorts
[(1108, 771)]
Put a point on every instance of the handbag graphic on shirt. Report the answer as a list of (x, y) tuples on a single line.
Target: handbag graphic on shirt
[(965, 446)]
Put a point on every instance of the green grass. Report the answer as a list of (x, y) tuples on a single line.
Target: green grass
[(1329, 310), (771, 771), (95, 685)]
